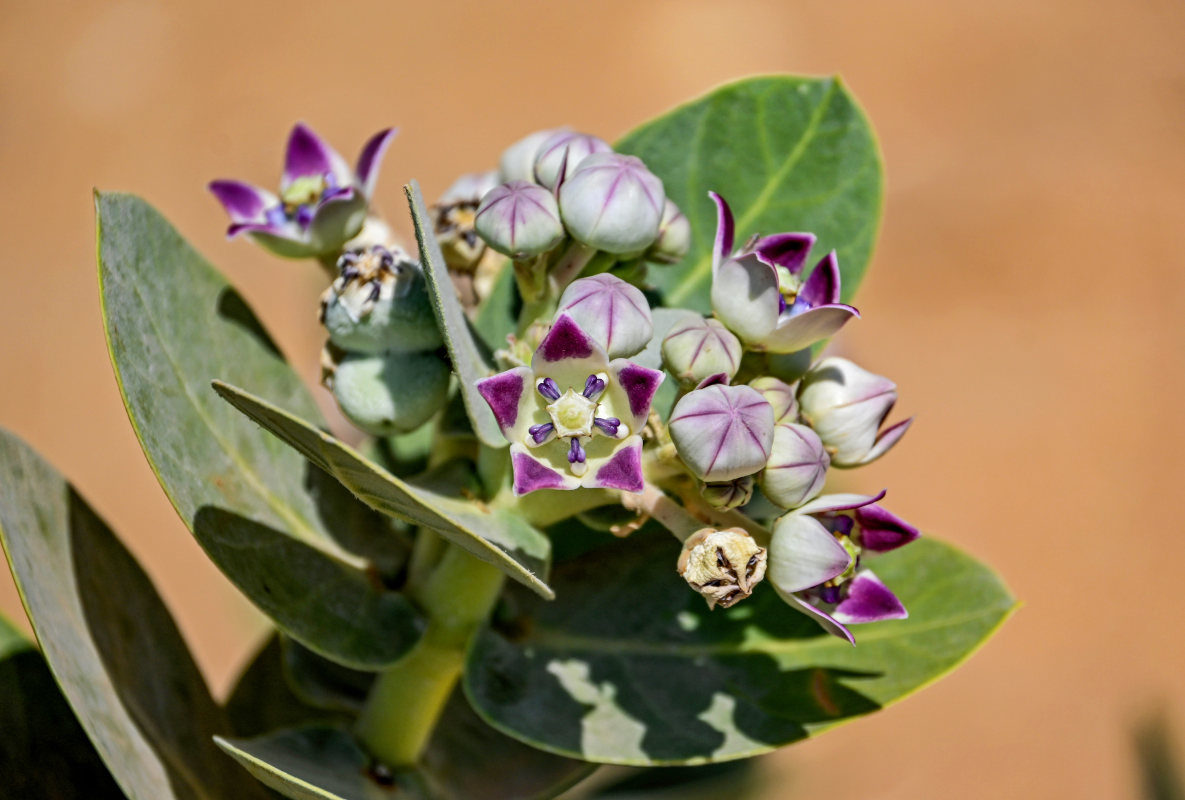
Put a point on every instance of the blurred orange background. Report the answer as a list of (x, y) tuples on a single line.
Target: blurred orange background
[(1027, 293)]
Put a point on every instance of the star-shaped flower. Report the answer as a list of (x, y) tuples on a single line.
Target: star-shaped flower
[(573, 418)]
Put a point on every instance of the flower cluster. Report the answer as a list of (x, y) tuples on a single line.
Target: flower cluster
[(734, 463)]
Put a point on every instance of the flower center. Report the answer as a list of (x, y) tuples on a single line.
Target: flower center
[(572, 414)]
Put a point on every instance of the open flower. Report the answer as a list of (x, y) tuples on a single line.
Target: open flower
[(815, 560), (758, 291), (321, 205), (573, 418)]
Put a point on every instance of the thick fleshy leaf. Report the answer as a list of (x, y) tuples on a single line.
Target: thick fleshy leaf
[(789, 154), (109, 640), (44, 752), (469, 362), (466, 759), (498, 537), (263, 514), (628, 666), (264, 700)]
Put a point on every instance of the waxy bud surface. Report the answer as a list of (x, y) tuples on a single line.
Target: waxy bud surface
[(613, 203)]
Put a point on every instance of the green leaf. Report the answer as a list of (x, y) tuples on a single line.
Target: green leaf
[(265, 516), (497, 315), (44, 753), (468, 360), (465, 760), (496, 536), (263, 699), (629, 666), (109, 640), (787, 153)]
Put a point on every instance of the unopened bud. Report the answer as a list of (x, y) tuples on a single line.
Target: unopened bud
[(518, 161), (390, 393), (722, 432), (796, 468), (699, 348), (611, 311), (729, 494), (674, 236), (723, 566), (613, 203), (780, 395), (519, 219), (379, 302), (562, 153)]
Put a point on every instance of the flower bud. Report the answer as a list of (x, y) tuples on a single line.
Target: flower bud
[(730, 494), (613, 203), (379, 302), (519, 219), (698, 348), (780, 395), (723, 566), (611, 311), (392, 392), (722, 432), (562, 153), (796, 468), (674, 236), (518, 161), (846, 406)]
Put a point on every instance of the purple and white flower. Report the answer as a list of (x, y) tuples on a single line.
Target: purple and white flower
[(573, 418), (846, 405), (722, 432), (815, 560), (759, 293), (321, 205)]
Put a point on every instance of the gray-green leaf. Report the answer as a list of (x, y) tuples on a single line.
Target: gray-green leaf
[(629, 667), (496, 536), (109, 640), (465, 760), (468, 361), (263, 514), (787, 153), (44, 753)]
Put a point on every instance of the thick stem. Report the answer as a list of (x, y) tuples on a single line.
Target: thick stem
[(407, 699), (672, 516)]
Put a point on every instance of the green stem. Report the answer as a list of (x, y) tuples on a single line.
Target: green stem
[(407, 699)]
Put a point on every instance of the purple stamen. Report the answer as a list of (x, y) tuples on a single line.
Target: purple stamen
[(575, 452), (330, 181), (608, 425), (829, 594), (593, 387), (548, 389), (540, 432), (800, 305), (304, 216), (781, 304), (275, 216)]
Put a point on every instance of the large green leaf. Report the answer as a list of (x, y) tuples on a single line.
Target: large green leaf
[(44, 753), (278, 527), (469, 362), (628, 666), (787, 153), (109, 639), (498, 537), (465, 760)]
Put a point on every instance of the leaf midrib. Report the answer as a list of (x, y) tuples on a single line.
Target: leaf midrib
[(543, 638), (695, 275)]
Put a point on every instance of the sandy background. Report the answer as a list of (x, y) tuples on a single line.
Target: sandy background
[(1027, 293)]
